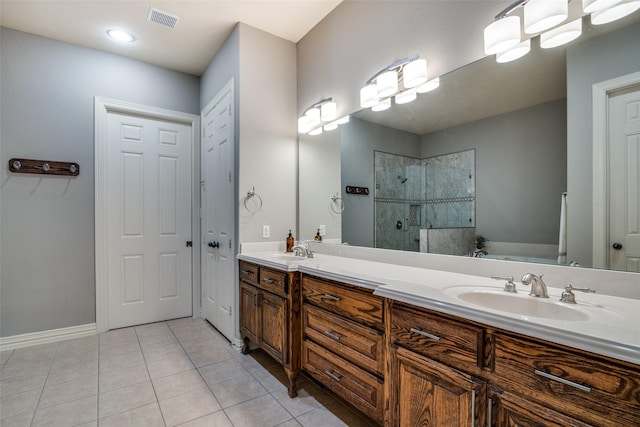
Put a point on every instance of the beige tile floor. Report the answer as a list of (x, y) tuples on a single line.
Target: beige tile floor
[(176, 373)]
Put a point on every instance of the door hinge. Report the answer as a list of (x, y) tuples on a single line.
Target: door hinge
[(189, 243), (229, 176), (229, 310), (229, 243)]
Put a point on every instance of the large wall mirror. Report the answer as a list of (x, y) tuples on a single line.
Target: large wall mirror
[(515, 118)]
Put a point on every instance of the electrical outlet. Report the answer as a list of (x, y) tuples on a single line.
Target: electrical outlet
[(323, 229), (266, 231)]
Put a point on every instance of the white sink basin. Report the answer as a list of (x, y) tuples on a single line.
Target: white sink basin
[(521, 303), (287, 257)]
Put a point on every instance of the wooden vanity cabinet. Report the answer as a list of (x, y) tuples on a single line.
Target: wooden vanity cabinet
[(270, 315), (433, 367), (343, 342), (448, 371)]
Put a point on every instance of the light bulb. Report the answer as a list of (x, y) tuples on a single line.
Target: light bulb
[(414, 73), (387, 83), (540, 15), (382, 105), (120, 35), (514, 53), (429, 85), (328, 111), (615, 12), (502, 35), (406, 97), (561, 35), (368, 96), (590, 6)]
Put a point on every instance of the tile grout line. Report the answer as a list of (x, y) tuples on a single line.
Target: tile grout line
[(153, 387)]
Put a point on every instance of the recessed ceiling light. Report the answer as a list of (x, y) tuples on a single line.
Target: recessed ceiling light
[(120, 35)]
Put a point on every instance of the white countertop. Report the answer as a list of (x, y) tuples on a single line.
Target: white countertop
[(609, 325)]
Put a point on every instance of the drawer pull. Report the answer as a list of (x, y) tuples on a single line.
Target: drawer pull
[(332, 297), (270, 281), (246, 272), (333, 376), (331, 335), (562, 380), (423, 333)]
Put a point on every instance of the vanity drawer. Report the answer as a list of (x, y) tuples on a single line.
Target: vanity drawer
[(361, 345), (594, 389), (360, 306), (249, 273), (454, 343), (273, 281), (356, 386)]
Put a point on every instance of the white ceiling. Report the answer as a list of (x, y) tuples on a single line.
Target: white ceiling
[(203, 26)]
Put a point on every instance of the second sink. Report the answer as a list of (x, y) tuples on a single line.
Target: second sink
[(521, 303)]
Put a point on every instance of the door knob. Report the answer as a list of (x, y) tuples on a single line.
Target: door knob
[(214, 244), (617, 246)]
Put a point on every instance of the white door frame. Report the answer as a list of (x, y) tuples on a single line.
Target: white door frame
[(601, 93), (102, 107)]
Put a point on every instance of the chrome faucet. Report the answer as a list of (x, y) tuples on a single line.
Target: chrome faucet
[(538, 288), (302, 249), (479, 253)]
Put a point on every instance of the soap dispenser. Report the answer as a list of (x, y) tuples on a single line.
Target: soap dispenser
[(318, 237), (290, 242)]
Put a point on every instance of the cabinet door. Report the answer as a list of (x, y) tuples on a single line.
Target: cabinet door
[(274, 325), (510, 410), (249, 312), (431, 394)]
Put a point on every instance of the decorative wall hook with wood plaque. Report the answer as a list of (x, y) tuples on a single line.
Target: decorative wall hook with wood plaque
[(363, 191), (46, 167)]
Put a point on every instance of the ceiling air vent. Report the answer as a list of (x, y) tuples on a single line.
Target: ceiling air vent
[(162, 18)]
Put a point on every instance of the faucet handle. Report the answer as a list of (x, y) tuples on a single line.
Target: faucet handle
[(569, 297), (509, 286)]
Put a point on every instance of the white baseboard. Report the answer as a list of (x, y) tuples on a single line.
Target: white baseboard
[(45, 337)]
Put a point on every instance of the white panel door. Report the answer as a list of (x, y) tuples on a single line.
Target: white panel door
[(624, 180), (149, 220), (217, 173)]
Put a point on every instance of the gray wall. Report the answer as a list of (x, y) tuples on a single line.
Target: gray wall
[(613, 55), (521, 162), (359, 140), (47, 225)]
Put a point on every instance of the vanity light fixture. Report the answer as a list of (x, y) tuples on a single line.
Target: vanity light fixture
[(120, 35), (319, 116), (401, 79), (502, 37)]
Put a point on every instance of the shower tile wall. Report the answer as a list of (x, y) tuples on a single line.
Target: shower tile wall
[(437, 192)]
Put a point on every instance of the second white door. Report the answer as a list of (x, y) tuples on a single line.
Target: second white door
[(218, 207)]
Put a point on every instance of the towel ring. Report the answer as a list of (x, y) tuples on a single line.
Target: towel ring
[(250, 194), (337, 202)]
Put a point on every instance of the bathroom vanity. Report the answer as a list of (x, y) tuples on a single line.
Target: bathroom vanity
[(403, 346)]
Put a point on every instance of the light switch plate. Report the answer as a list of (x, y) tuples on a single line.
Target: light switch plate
[(266, 231), (323, 229)]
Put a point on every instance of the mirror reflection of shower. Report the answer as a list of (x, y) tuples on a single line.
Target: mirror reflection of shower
[(425, 205)]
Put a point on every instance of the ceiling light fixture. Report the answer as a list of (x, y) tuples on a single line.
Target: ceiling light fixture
[(590, 6), (398, 80), (320, 115), (120, 35)]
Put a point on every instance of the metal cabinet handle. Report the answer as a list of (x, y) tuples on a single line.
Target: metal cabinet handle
[(333, 376), (562, 380), (423, 333), (330, 334), (270, 281), (246, 272), (332, 297)]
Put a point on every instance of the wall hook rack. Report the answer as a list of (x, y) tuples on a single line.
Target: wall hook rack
[(46, 167)]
